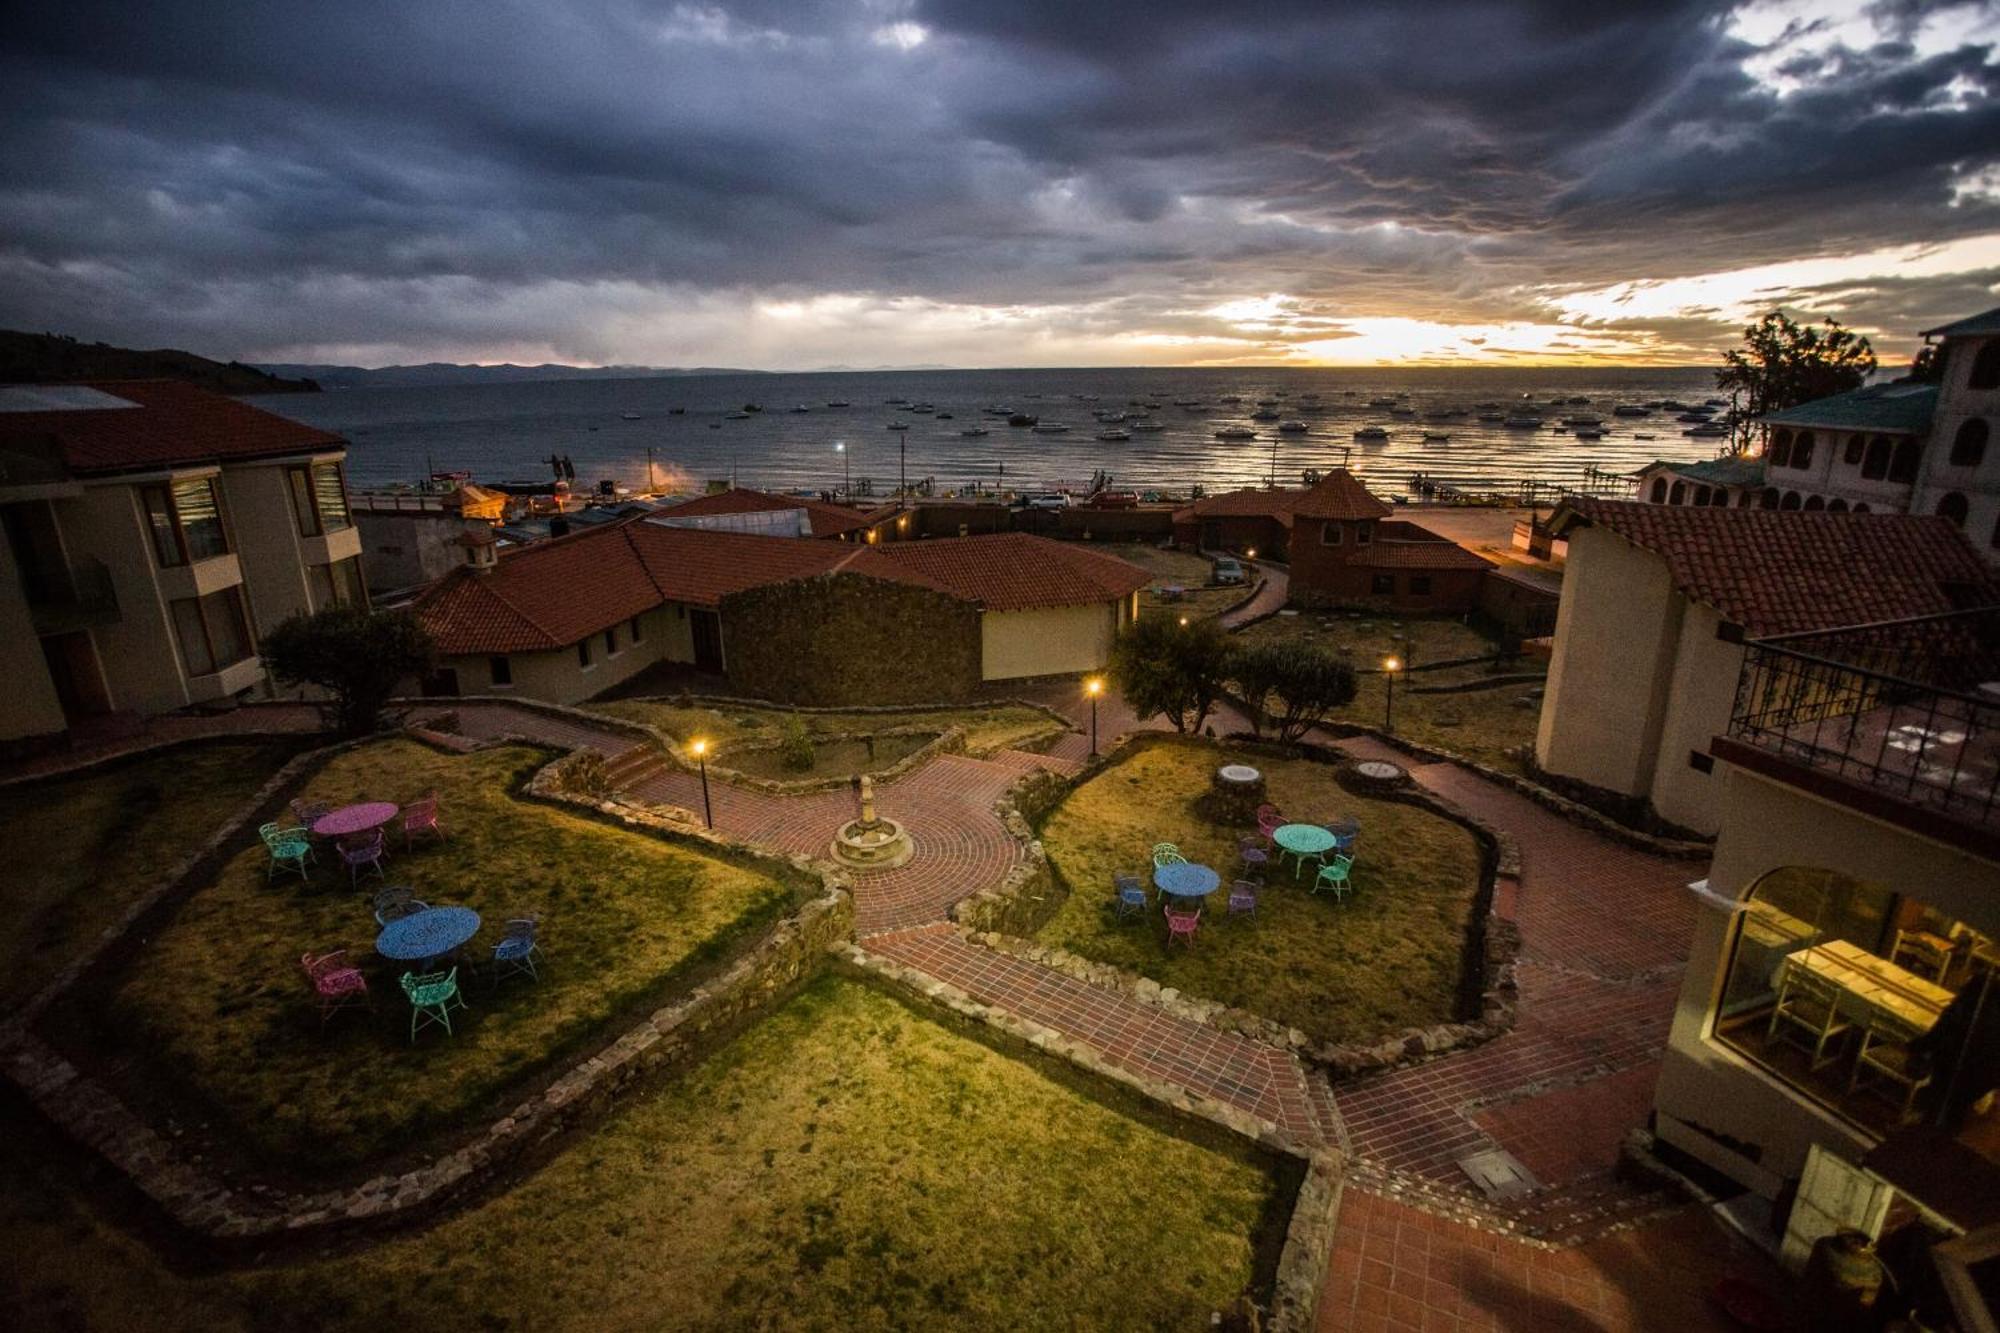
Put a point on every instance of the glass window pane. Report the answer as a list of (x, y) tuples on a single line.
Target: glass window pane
[(302, 501), (201, 518), (331, 494), (347, 578), (160, 521), (228, 630), (193, 639)]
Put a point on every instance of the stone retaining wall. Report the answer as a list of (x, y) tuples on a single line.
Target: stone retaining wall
[(949, 741)]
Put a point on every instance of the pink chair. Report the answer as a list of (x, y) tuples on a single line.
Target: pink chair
[(336, 983), (422, 817), (1180, 926), (364, 849), (1269, 821)]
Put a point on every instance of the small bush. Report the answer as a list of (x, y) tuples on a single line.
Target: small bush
[(795, 745), (585, 774)]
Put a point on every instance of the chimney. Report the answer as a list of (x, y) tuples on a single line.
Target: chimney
[(481, 547)]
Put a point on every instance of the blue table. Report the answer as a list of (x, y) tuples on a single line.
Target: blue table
[(1185, 879), (431, 933)]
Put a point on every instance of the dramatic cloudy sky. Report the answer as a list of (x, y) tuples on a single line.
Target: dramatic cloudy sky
[(794, 183)]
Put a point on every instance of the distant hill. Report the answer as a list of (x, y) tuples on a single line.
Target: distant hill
[(49, 358), (446, 372)]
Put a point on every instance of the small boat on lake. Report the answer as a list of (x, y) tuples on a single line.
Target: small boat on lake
[(1371, 434), (1236, 433)]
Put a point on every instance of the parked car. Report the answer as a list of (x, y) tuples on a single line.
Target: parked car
[(1051, 500), (1114, 500), (1229, 570)]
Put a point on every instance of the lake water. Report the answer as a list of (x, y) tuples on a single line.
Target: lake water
[(503, 432)]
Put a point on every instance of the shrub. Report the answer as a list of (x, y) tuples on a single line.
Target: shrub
[(585, 774), (795, 745)]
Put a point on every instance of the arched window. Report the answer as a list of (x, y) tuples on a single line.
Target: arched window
[(1678, 495), (1791, 500), (1856, 446), (1985, 366), (1876, 465), (1836, 506), (1659, 490), (1700, 496), (1769, 499), (1719, 498), (1953, 507), (1781, 448), (1802, 449), (1746, 499), (1815, 503), (1860, 508), (1968, 447), (1903, 463)]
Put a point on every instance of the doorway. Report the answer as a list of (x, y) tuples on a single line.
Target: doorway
[(706, 627), (73, 670)]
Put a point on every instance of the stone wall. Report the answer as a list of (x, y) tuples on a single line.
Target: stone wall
[(845, 637)]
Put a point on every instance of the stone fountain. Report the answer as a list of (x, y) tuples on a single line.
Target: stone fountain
[(871, 842)]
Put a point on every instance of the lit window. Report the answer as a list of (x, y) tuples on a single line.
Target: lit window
[(185, 521), (330, 495)]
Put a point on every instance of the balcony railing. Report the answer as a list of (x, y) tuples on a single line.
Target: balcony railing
[(1910, 708)]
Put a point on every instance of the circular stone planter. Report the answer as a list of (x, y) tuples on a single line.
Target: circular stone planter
[(1380, 774)]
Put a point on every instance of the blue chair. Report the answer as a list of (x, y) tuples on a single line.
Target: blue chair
[(1131, 895), (1243, 898), (517, 951)]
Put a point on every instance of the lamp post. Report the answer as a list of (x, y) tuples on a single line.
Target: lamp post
[(846, 470), (1093, 687), (701, 758), (1390, 666)]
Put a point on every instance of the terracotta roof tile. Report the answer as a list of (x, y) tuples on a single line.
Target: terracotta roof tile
[(1337, 495), (1014, 571), (1785, 571), (1340, 494), (826, 520), (173, 424)]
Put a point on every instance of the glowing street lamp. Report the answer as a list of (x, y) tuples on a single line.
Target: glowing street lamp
[(700, 748), (1094, 687), (1250, 554), (1390, 666), (1183, 622)]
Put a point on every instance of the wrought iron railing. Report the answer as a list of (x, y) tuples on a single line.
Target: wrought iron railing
[(1908, 707)]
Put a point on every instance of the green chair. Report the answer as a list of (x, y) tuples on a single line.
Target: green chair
[(432, 997), (1333, 875), (1166, 854), (289, 847)]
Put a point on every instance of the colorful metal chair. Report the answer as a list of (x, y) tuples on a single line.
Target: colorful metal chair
[(1181, 925), (1166, 854), (1334, 875), (517, 950), (289, 848), (396, 902), (364, 849), (1243, 898), (1131, 895), (432, 998), (421, 816), (337, 984)]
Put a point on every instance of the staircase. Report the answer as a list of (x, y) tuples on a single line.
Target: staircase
[(629, 768)]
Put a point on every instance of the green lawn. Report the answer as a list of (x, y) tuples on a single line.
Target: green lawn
[(844, 1164), (80, 849), (987, 729), (1185, 568), (218, 998), (1366, 639), (1387, 957)]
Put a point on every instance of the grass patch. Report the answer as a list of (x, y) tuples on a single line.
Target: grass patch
[(1367, 639), (81, 849), (986, 729), (1185, 568), (845, 1163), (1388, 957), (218, 998), (830, 758)]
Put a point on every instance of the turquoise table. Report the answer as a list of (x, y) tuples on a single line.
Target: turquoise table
[(1301, 841)]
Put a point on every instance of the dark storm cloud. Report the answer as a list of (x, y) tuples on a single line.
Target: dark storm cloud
[(268, 178)]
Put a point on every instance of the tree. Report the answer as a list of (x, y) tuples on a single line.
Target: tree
[(1783, 363), (1161, 666), (1293, 688), (1927, 367), (357, 656)]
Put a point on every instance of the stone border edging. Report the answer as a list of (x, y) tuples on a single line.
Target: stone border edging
[(91, 1114), (1489, 683), (1302, 1262), (949, 741)]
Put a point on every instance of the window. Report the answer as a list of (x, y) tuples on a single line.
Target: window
[(1791, 500), (1836, 506), (1363, 533), (160, 523), (1383, 585), (339, 584), (1768, 499), (1678, 495), (1781, 448), (1329, 534), (1659, 490), (1811, 954), (1968, 447), (1802, 449), (1420, 585), (1903, 463), (330, 495), (299, 481), (1876, 464), (212, 630), (1857, 445), (611, 642), (185, 521), (1814, 503), (501, 670), (1985, 366), (1953, 507), (1720, 498), (583, 653), (1700, 496), (638, 632)]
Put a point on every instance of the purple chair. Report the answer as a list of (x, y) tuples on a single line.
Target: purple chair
[(1242, 898), (1180, 926), (364, 849), (337, 983), (1255, 859)]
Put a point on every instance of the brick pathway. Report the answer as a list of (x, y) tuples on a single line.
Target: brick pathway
[(1141, 1038), (1277, 590)]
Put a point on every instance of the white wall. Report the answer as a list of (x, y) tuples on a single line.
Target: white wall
[(1014, 644)]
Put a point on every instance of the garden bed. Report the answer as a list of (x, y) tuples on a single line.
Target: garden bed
[(832, 756), (849, 1161), (210, 1018), (734, 723), (1391, 956)]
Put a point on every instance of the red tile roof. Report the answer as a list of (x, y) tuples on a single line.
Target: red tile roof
[(173, 424), (826, 520), (1786, 571), (1014, 571), (554, 593), (1337, 495), (1250, 502)]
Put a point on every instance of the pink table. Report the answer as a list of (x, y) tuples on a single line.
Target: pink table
[(350, 819)]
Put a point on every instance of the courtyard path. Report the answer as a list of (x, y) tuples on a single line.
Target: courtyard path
[(1277, 590)]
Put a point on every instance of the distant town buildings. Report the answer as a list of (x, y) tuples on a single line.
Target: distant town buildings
[(154, 532)]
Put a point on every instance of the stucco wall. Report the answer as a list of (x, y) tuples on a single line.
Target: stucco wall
[(407, 548), (845, 638), (1617, 631), (1045, 643), (265, 534), (30, 706), (558, 677), (1707, 1093), (142, 668), (1699, 702)]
